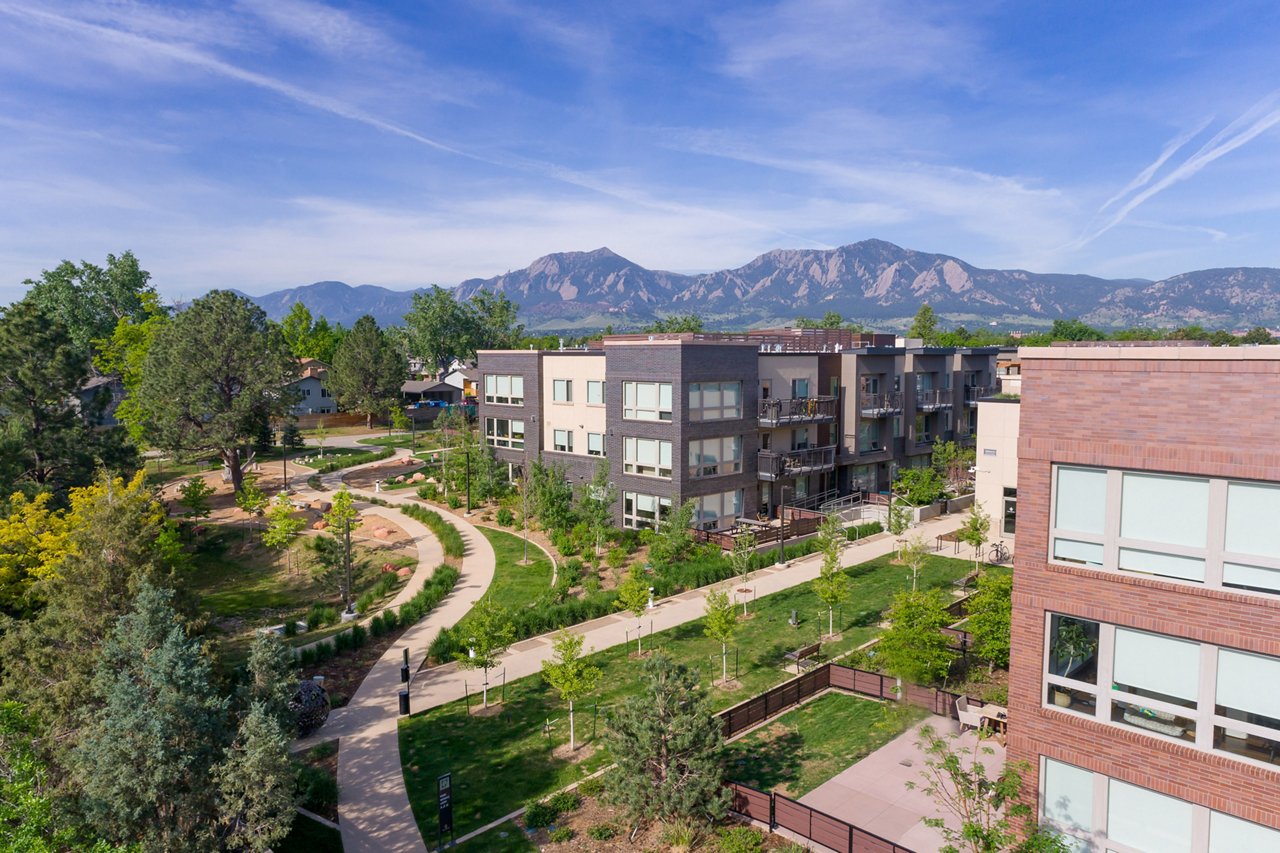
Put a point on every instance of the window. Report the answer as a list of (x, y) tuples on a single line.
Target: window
[(1067, 796), (646, 401), (714, 511), (800, 439), (595, 392), (562, 440), (1229, 834), (562, 390), (306, 392), (1009, 518), (1147, 820), (712, 457), (324, 392), (500, 432), (869, 436), (504, 390), (595, 444), (799, 388), (715, 401), (1158, 525), (647, 457), (643, 511)]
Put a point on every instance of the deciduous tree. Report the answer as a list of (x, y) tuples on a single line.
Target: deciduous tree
[(720, 624), (491, 634), (633, 597), (440, 328), (977, 524), (990, 618), (282, 526), (367, 371), (741, 558), (832, 584), (914, 648), (669, 748), (925, 325), (674, 537), (569, 674), (89, 300), (195, 497), (33, 544), (212, 375)]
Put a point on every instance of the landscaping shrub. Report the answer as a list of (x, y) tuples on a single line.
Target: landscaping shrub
[(306, 657), (428, 491), (323, 751), (450, 538), (453, 501), (602, 832), (389, 620), (366, 601), (317, 790), (359, 636), (591, 585), (441, 647), (680, 836), (740, 839), (859, 531), (291, 627), (616, 558), (539, 813), (349, 460), (565, 801), (376, 626), (313, 482), (505, 518), (591, 787), (562, 833), (321, 615)]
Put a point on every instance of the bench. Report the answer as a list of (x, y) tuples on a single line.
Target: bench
[(803, 656)]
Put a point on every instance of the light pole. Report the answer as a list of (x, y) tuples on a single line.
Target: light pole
[(782, 525), (524, 510)]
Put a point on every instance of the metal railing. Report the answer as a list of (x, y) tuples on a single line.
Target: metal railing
[(797, 410), (931, 399), (880, 405), (772, 465), (974, 393)]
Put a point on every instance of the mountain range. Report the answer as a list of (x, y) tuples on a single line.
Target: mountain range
[(871, 281)]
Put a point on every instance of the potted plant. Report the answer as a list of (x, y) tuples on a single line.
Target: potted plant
[(1073, 644)]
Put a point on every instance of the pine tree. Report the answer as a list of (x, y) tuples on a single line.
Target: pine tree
[(343, 517), (146, 762), (669, 749), (367, 371), (569, 674), (273, 677), (720, 624), (256, 783)]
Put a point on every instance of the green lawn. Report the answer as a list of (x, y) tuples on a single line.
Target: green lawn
[(308, 836), (500, 762), (426, 440), (493, 841), (514, 585), (798, 751)]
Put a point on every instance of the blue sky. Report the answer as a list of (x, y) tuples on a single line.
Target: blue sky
[(270, 143)]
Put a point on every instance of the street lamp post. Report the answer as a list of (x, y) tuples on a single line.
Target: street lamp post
[(782, 524)]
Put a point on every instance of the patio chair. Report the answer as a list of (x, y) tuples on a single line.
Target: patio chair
[(969, 718)]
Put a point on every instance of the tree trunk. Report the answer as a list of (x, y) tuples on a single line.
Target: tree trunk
[(486, 688), (572, 745), (368, 420), (639, 651), (724, 663), (231, 458), (831, 624)]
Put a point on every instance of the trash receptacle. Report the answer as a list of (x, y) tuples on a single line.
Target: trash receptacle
[(404, 702)]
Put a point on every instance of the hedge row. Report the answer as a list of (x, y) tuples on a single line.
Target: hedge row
[(448, 535), (432, 593), (526, 622), (355, 459)]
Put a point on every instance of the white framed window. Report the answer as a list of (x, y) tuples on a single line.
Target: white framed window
[(646, 401), (595, 444), (648, 457), (715, 511), (501, 432), (1146, 820), (643, 511), (1066, 796), (713, 457), (562, 440), (595, 392), (562, 390), (504, 389), (715, 401)]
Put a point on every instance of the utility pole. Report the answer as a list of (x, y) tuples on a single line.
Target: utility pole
[(346, 559), (467, 451)]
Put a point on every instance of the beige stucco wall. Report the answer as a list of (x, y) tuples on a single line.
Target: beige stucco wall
[(578, 416), (997, 460), (779, 370)]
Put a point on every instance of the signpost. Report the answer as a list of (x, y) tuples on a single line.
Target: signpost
[(444, 789)]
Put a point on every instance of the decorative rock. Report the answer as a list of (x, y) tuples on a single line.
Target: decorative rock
[(381, 532), (404, 572), (418, 477), (320, 524), (310, 707), (388, 567)]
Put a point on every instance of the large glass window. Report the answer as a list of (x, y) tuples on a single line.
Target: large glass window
[(1080, 503), (643, 511), (504, 390), (715, 401), (1009, 518), (1156, 667), (710, 457), (1229, 834), (714, 511), (501, 432), (562, 390), (647, 457), (1146, 820), (1168, 510), (646, 401), (1067, 795), (1251, 510)]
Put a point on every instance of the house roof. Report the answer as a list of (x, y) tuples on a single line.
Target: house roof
[(421, 386)]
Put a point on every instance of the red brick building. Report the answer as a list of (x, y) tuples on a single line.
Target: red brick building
[(1145, 680)]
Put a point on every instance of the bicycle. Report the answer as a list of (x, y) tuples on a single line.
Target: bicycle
[(999, 553)]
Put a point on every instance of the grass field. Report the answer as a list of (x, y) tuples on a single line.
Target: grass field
[(502, 761), (308, 836), (798, 751)]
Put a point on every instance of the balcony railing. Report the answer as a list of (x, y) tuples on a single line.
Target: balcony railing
[(776, 412), (933, 399), (974, 393), (772, 465), (880, 405)]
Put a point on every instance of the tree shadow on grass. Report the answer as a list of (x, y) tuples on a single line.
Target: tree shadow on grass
[(766, 760)]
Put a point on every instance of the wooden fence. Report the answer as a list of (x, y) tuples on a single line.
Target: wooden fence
[(777, 811)]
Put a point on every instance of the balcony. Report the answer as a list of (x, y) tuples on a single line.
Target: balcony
[(799, 410), (933, 399), (974, 393), (880, 405), (781, 466)]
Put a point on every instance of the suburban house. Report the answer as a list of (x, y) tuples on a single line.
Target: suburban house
[(1145, 677), (314, 397)]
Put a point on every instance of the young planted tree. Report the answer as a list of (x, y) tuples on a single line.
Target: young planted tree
[(831, 585), (977, 524), (914, 648), (195, 497), (321, 434), (741, 558), (282, 526), (367, 371), (491, 634), (674, 537), (669, 748), (720, 623), (251, 499), (990, 618), (986, 808), (212, 375), (257, 784), (913, 555), (633, 596), (569, 674), (898, 521), (595, 504), (550, 496), (153, 679), (343, 517)]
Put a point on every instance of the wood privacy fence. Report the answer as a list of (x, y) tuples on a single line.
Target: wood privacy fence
[(779, 812)]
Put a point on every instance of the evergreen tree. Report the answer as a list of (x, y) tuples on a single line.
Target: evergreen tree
[(832, 584), (257, 784), (914, 648), (569, 674), (343, 517), (291, 437), (367, 371), (212, 375), (146, 762), (273, 678), (669, 749), (720, 624), (925, 325)]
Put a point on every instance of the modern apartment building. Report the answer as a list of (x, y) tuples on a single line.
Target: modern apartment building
[(741, 424), (1145, 679)]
